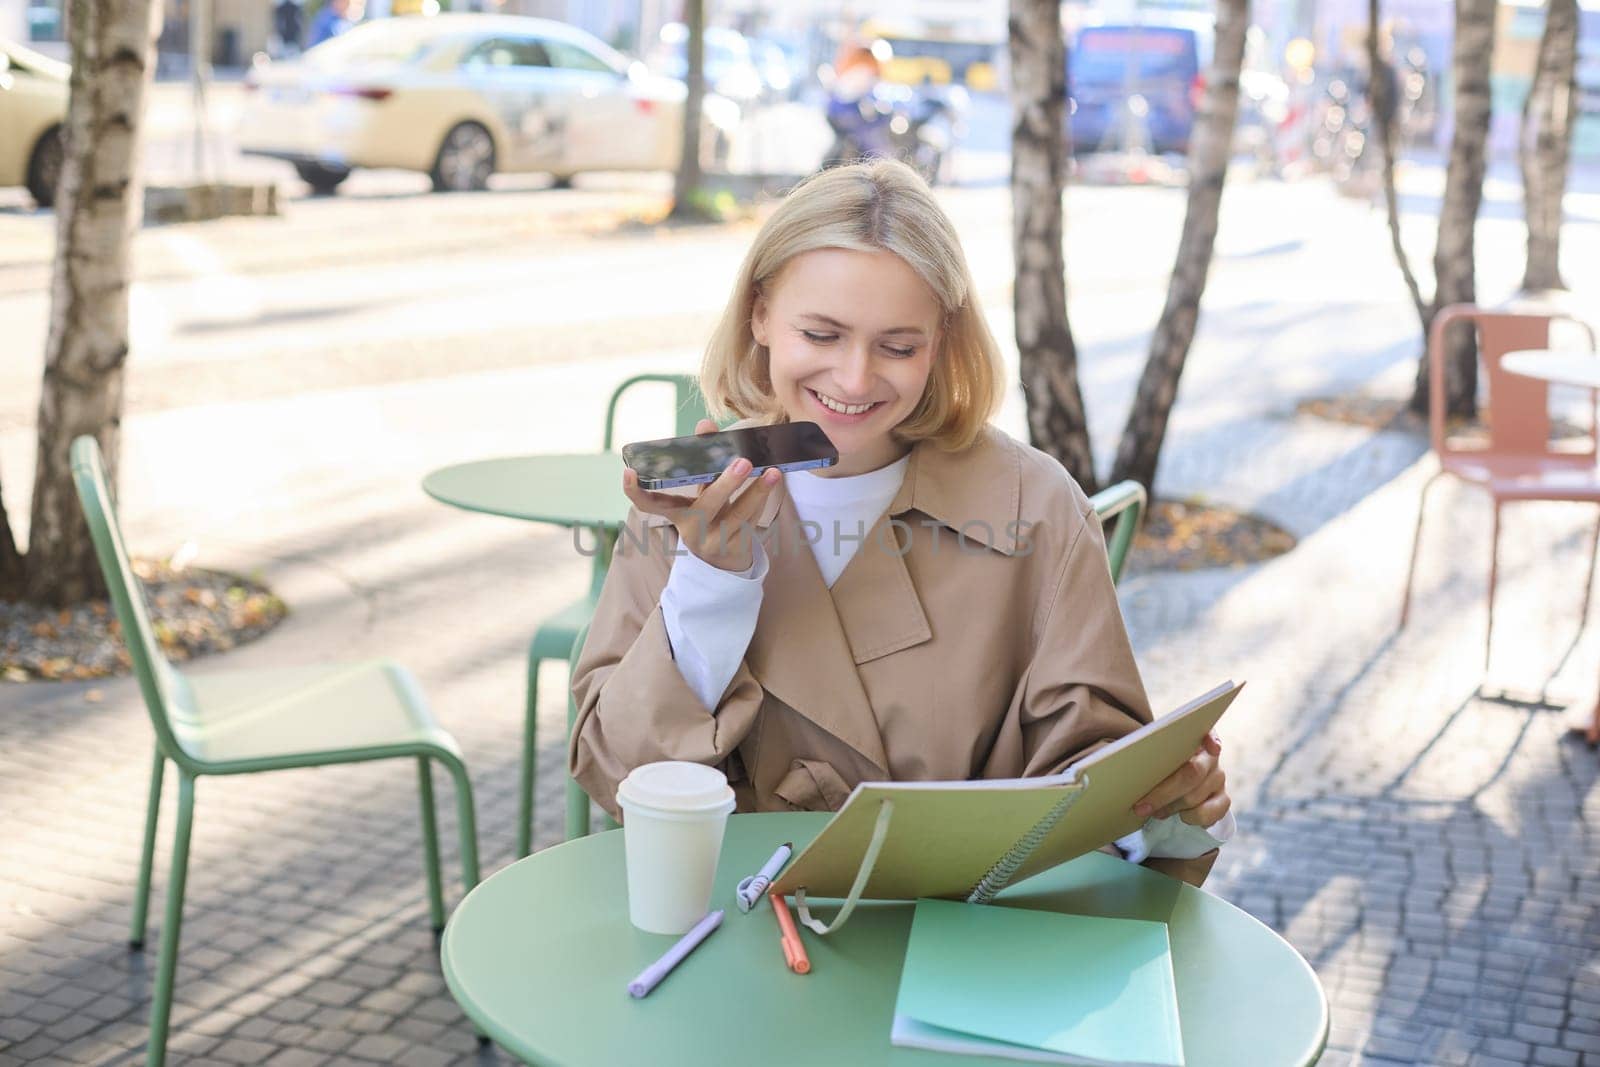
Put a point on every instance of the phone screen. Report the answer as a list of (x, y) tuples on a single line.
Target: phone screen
[(700, 458)]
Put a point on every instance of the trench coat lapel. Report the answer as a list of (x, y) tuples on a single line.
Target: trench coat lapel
[(877, 605), (800, 652)]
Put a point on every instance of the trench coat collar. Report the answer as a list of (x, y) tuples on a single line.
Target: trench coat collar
[(811, 640), (976, 493)]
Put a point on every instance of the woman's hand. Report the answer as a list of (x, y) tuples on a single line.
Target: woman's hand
[(1196, 792), (711, 524)]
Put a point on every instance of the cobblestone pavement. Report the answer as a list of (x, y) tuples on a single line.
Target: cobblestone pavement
[(1424, 841), (1419, 828)]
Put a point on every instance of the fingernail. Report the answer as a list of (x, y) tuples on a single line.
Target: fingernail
[(741, 466)]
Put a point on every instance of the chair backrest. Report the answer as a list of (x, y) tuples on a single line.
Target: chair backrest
[(689, 409), (1124, 502), (165, 691), (1518, 411)]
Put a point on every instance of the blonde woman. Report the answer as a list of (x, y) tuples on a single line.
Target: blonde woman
[(935, 606)]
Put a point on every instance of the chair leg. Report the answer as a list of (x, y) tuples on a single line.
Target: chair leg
[(467, 818), (167, 965), (430, 845), (152, 816), (530, 759), (1494, 576), (577, 799), (1416, 542), (1588, 586)]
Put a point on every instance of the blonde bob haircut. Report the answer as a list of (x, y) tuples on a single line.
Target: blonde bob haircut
[(882, 205)]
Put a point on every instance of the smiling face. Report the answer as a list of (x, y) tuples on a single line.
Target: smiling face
[(852, 337)]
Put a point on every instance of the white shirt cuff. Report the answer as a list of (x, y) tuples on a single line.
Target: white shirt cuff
[(710, 616), (1172, 838)]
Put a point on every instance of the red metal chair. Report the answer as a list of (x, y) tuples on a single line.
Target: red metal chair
[(1519, 461)]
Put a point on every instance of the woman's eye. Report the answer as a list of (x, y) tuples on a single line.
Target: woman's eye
[(900, 353), (819, 338)]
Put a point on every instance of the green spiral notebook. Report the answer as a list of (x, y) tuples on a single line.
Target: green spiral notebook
[(1038, 986), (969, 840)]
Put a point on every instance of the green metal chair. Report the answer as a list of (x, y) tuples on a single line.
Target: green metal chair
[(1124, 502), (240, 722), (557, 636)]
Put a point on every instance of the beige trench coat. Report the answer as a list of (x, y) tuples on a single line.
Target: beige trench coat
[(975, 633)]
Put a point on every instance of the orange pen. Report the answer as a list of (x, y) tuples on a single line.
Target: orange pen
[(794, 953)]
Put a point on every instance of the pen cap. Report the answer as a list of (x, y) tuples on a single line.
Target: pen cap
[(676, 789)]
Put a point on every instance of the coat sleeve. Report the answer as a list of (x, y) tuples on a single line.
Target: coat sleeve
[(634, 706), (1081, 687)]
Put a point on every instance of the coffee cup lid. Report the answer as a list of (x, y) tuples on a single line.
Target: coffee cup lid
[(676, 785)]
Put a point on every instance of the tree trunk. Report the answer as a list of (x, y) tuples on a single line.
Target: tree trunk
[(11, 570), (1384, 84), (1048, 357), (1211, 145), (1453, 255), (97, 211), (1546, 142), (686, 193)]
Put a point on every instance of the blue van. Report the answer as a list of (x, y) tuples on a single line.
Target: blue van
[(1134, 86)]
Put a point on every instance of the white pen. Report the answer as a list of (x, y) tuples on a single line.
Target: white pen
[(751, 888)]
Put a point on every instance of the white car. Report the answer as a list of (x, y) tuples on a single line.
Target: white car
[(461, 97), (33, 110)]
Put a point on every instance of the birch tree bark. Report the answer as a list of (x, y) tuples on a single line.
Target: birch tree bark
[(97, 211), (1210, 146), (1454, 250), (1383, 84), (11, 561), (1047, 355), (686, 183), (1545, 146)]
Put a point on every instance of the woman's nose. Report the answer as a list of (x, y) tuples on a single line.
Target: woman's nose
[(855, 373)]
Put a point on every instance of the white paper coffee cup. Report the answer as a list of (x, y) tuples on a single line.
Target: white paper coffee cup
[(673, 817)]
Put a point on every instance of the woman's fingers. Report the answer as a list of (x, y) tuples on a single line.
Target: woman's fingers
[(748, 506), (1162, 800), (1214, 784), (705, 426), (1208, 814), (709, 504)]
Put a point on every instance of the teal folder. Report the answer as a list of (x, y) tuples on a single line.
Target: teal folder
[(1038, 985)]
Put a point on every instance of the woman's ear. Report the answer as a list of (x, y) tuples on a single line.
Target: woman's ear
[(758, 320)]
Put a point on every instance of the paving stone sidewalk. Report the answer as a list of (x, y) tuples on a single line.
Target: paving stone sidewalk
[(1425, 841)]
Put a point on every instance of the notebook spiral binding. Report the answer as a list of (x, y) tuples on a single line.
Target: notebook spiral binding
[(997, 877)]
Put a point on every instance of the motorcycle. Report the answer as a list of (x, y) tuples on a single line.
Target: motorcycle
[(918, 127)]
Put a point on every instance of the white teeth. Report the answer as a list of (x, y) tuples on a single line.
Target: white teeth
[(843, 409)]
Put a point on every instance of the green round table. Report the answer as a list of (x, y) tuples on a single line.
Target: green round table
[(581, 489), (540, 955)]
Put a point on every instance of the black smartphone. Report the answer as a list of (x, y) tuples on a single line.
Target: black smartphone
[(699, 458)]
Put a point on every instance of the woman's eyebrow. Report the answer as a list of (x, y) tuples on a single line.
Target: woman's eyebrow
[(837, 325)]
